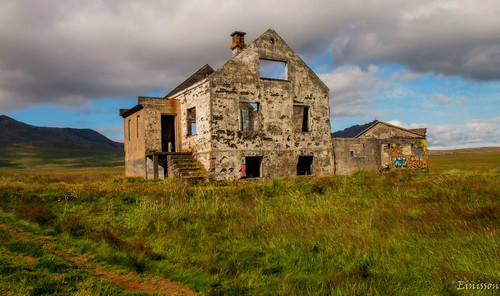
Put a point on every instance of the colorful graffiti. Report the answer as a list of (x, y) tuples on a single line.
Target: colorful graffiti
[(414, 156)]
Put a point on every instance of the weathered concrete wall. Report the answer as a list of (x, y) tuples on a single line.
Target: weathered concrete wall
[(408, 153), (196, 96), (149, 137), (352, 155), (154, 108), (371, 154), (275, 140), (134, 145)]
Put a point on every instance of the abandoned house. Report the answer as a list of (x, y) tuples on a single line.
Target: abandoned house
[(382, 146), (264, 113)]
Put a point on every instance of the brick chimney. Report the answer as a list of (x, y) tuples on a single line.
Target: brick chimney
[(238, 42)]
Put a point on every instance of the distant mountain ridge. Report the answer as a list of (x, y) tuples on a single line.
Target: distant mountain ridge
[(53, 145), (15, 132), (352, 131)]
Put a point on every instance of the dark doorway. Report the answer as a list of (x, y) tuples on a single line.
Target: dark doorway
[(252, 167), (168, 133), (304, 165)]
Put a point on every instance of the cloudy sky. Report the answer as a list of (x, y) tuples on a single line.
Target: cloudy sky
[(433, 64)]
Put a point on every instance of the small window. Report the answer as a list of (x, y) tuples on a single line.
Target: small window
[(250, 167), (191, 121), (249, 113), (272, 69), (301, 118), (128, 129), (138, 125), (304, 165), (351, 153)]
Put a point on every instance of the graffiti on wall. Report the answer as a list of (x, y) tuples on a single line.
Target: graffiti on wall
[(410, 156)]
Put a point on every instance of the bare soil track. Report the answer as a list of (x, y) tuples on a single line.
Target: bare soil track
[(130, 281)]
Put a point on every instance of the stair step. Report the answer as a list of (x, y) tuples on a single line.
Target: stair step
[(187, 168), (183, 162), (184, 167)]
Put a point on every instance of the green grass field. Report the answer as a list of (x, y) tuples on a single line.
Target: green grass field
[(94, 232)]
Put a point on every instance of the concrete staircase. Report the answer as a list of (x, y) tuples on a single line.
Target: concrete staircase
[(184, 166)]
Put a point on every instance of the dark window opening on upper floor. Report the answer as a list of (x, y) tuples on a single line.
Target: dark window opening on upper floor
[(273, 69), (249, 114), (191, 122), (301, 118)]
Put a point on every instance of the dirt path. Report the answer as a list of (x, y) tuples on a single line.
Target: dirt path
[(130, 281)]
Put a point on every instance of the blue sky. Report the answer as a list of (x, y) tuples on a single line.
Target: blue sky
[(433, 64)]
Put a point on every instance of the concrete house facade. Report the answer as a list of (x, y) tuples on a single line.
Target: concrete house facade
[(264, 113), (382, 146)]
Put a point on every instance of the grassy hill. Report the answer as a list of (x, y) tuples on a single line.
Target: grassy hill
[(398, 233), (30, 147), (464, 159)]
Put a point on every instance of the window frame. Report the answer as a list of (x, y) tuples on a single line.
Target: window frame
[(277, 78), (191, 121), (305, 125), (253, 117)]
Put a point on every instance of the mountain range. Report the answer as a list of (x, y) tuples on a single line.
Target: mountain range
[(24, 145), (352, 131)]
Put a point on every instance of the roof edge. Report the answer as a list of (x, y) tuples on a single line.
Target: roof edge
[(390, 125)]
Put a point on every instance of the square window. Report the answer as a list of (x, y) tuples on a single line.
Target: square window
[(272, 69)]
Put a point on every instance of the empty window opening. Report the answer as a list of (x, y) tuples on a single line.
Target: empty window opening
[(138, 125), (351, 153), (191, 122), (304, 165), (251, 167), (272, 69), (249, 113), (301, 118)]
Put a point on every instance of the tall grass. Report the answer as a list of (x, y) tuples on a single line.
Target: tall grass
[(389, 234)]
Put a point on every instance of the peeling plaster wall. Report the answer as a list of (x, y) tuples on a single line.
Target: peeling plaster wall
[(365, 155), (153, 109), (275, 140), (408, 154), (371, 154), (197, 96), (133, 145), (149, 139)]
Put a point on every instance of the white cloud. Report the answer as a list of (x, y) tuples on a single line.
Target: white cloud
[(473, 133), (352, 90), (56, 51), (446, 100), (397, 123)]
